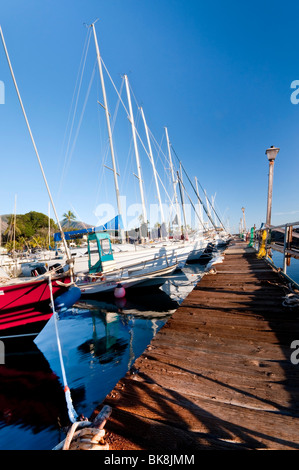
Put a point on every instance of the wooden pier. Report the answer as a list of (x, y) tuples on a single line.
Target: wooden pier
[(219, 374)]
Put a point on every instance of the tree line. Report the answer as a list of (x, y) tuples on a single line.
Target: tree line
[(31, 230)]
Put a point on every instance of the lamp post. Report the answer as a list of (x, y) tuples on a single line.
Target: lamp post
[(271, 154), (243, 210)]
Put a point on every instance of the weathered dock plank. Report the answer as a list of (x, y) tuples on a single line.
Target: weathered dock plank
[(218, 375)]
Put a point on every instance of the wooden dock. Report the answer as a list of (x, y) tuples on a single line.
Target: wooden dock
[(219, 374)]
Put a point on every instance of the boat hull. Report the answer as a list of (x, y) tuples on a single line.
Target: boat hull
[(141, 279), (25, 307)]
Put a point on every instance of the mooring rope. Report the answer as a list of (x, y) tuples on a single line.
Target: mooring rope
[(82, 434), (71, 410), (292, 299)]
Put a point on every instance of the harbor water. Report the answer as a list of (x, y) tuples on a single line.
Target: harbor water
[(292, 270), (100, 340)]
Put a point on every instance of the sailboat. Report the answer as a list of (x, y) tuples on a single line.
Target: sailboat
[(179, 249), (159, 257), (25, 303), (105, 275)]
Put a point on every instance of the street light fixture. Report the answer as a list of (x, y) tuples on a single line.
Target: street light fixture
[(243, 210), (271, 154)]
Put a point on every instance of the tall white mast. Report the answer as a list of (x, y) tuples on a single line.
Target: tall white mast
[(49, 228), (136, 151), (154, 168), (213, 207), (173, 181), (108, 121), (14, 226), (208, 207), (200, 206), (180, 181)]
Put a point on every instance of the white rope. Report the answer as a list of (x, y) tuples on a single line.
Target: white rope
[(71, 410), (292, 299)]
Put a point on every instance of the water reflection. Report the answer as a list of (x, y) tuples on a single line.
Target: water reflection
[(31, 398), (100, 340), (111, 346), (99, 344)]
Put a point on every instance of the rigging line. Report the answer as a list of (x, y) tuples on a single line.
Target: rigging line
[(205, 209), (128, 115), (198, 216), (73, 97), (110, 78), (81, 117), (83, 58), (107, 146), (33, 143), (149, 159), (147, 153), (135, 99), (103, 147), (159, 148), (128, 167), (116, 113), (166, 192), (120, 99), (77, 215)]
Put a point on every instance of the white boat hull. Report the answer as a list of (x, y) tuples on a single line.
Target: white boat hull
[(93, 284), (171, 252)]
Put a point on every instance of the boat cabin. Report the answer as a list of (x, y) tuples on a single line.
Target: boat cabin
[(100, 260)]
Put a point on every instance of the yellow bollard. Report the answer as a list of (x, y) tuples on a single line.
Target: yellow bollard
[(262, 251)]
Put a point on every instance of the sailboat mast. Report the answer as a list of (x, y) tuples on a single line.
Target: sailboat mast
[(199, 204), (213, 207), (14, 226), (153, 165), (183, 205), (136, 151), (49, 228), (108, 121), (34, 145), (208, 207), (173, 180)]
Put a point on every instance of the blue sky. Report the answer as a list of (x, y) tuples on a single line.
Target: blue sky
[(217, 74)]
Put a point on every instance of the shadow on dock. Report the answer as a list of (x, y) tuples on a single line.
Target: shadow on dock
[(219, 374)]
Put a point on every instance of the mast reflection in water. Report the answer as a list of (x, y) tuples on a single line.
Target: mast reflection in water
[(100, 342)]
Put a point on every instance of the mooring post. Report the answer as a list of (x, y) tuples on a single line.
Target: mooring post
[(286, 231)]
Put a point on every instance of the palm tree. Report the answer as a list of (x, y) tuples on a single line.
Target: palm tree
[(68, 217), (37, 242)]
